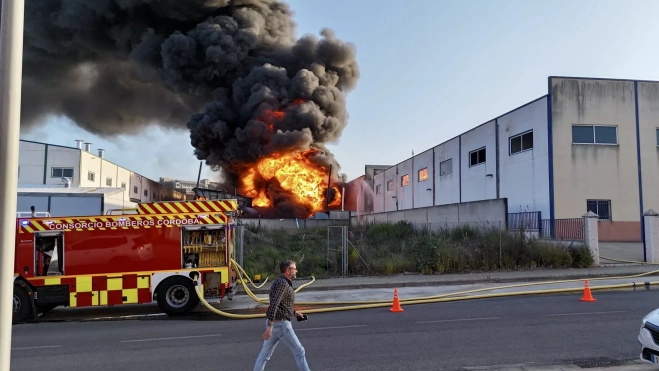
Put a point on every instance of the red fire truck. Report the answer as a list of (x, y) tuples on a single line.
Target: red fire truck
[(148, 255)]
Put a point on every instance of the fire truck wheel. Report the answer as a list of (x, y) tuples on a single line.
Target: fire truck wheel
[(177, 296), (21, 305)]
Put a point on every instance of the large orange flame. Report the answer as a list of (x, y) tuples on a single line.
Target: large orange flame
[(295, 173)]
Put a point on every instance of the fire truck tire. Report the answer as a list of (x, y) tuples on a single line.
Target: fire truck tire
[(177, 296), (21, 305)]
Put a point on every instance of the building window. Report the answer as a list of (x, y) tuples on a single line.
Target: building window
[(146, 193), (123, 185), (446, 167), (378, 189), (521, 142), (108, 182), (600, 207), (477, 157), (135, 189), (91, 176), (594, 134), (658, 137), (59, 172), (423, 174), (404, 180), (390, 185)]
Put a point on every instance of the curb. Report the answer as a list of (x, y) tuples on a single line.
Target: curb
[(455, 282)]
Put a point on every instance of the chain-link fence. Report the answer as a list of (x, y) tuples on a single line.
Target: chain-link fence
[(392, 248)]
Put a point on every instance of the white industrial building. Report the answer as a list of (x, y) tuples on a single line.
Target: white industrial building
[(74, 181), (588, 144)]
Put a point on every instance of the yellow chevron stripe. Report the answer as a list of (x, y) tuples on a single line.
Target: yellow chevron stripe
[(38, 226), (203, 207), (181, 207), (214, 206), (159, 209), (231, 205), (192, 207), (149, 209), (170, 207)]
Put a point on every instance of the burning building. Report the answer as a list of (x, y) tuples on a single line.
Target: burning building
[(259, 104)]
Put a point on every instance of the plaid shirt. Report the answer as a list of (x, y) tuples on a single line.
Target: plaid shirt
[(282, 300)]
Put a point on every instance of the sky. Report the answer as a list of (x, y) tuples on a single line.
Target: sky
[(430, 70)]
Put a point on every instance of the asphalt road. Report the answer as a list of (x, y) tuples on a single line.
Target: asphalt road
[(448, 336)]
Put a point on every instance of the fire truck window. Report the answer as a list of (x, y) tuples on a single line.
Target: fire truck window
[(49, 256)]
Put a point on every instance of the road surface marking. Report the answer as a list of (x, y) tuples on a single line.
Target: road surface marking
[(41, 347), (583, 313), (328, 328), (126, 316), (459, 320), (498, 366), (172, 338)]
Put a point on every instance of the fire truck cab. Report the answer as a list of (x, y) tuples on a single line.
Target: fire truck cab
[(148, 255)]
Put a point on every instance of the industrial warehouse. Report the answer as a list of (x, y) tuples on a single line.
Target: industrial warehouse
[(587, 145)]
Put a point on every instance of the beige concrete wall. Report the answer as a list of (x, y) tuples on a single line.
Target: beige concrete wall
[(593, 171), (648, 114)]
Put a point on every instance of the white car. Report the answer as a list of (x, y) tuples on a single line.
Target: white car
[(649, 338)]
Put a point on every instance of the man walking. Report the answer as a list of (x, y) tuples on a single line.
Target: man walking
[(278, 319)]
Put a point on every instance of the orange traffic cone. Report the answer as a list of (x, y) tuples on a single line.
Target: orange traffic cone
[(587, 296), (396, 307)]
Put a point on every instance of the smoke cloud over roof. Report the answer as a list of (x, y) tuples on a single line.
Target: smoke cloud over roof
[(218, 68)]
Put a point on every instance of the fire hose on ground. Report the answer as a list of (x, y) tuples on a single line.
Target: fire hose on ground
[(450, 297)]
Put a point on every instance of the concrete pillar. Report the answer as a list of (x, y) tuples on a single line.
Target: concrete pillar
[(591, 238), (651, 220)]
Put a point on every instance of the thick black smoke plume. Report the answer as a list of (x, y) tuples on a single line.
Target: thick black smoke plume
[(117, 66)]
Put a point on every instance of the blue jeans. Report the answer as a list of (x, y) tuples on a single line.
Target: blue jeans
[(282, 330)]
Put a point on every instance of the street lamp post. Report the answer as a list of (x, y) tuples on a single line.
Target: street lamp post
[(11, 67)]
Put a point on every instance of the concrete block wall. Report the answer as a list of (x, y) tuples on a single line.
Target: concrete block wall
[(491, 211)]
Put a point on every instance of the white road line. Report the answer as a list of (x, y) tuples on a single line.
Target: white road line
[(41, 347), (498, 366), (459, 320), (126, 317), (172, 338), (328, 328), (583, 313)]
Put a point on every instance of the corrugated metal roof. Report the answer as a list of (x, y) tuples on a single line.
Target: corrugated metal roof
[(36, 190)]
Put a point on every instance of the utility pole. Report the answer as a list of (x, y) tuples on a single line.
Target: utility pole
[(11, 70)]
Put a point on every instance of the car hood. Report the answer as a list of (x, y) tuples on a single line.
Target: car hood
[(652, 317)]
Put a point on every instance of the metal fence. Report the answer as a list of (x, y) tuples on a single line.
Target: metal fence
[(337, 250), (563, 229), (559, 229), (525, 220)]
